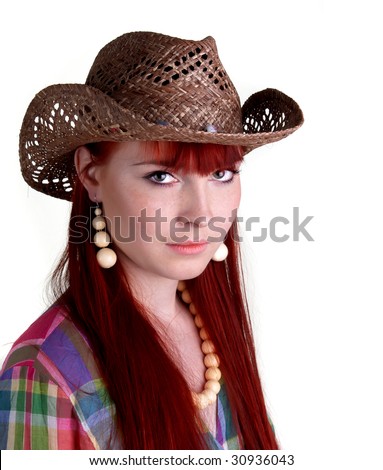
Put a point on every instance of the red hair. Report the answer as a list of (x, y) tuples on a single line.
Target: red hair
[(151, 414)]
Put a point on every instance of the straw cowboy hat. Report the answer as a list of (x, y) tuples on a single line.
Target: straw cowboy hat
[(146, 86)]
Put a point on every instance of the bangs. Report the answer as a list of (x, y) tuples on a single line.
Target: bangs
[(186, 157), (201, 159)]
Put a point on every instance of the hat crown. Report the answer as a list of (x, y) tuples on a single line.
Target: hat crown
[(168, 80), (146, 86)]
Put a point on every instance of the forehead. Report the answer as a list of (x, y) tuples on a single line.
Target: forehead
[(181, 156)]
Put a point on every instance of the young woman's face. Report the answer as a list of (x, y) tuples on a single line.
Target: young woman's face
[(163, 222)]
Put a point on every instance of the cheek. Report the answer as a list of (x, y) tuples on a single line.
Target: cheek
[(137, 217), (237, 195), (229, 203), (225, 212)]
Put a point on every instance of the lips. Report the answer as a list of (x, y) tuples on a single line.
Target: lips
[(188, 247)]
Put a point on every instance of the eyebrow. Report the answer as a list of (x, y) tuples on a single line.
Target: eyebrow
[(152, 162)]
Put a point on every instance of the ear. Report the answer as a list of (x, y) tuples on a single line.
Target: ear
[(86, 171)]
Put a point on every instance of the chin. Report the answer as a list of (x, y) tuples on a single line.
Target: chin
[(187, 270)]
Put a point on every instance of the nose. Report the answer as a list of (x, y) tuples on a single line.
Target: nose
[(196, 204)]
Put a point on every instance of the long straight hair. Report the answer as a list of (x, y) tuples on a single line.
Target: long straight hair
[(153, 405)]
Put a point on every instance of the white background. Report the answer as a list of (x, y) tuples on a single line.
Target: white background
[(318, 305)]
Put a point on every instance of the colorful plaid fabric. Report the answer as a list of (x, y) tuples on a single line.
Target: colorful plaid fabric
[(52, 396)]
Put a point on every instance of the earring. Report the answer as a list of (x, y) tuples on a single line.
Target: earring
[(106, 257), (221, 253)]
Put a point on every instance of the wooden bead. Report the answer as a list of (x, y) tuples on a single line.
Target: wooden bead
[(204, 399), (200, 401), (192, 309), (198, 321), (106, 258), (213, 373), (207, 346), (101, 239), (99, 223), (181, 286), (213, 385), (211, 359), (211, 396), (98, 211), (186, 296), (203, 334)]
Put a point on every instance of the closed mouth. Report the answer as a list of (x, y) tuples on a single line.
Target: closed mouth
[(188, 247)]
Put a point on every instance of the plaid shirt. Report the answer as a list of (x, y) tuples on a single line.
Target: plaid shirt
[(52, 395)]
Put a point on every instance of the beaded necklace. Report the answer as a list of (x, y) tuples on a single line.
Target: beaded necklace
[(211, 359)]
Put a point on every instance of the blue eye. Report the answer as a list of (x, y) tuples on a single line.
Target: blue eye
[(225, 176), (161, 177)]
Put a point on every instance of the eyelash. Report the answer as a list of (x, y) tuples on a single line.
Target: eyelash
[(160, 172), (232, 170)]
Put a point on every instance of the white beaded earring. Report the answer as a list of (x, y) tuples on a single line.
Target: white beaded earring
[(106, 257), (221, 253)]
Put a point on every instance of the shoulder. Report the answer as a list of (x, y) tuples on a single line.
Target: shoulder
[(51, 371), (55, 348)]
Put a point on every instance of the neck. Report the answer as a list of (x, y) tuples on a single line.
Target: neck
[(156, 294)]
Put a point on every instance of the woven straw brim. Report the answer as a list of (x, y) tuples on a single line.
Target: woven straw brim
[(63, 117)]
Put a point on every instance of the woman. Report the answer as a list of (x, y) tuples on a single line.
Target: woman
[(148, 344)]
